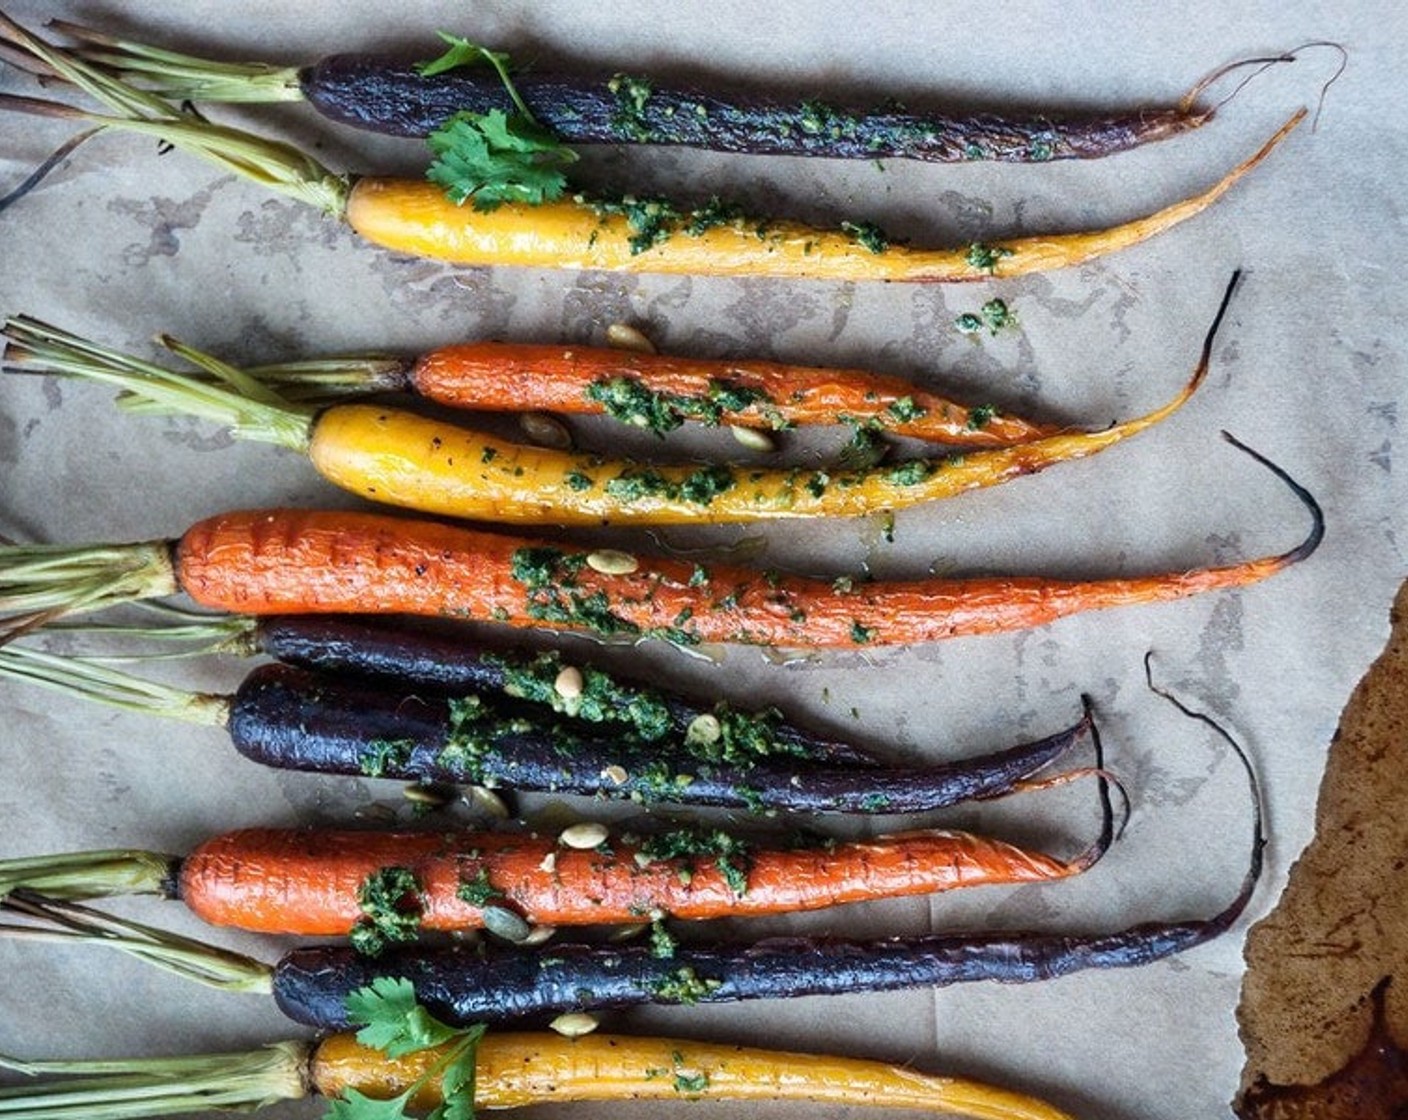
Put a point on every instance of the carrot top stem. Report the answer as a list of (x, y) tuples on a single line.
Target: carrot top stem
[(250, 409), (132, 1088), (278, 166), (90, 679), (41, 582), (49, 919), (99, 874)]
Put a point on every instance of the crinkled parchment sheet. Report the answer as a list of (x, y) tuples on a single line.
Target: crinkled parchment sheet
[(121, 243)]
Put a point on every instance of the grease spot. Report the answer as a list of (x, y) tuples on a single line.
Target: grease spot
[(165, 219)]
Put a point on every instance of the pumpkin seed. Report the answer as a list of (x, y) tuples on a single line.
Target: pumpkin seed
[(623, 336), (616, 775), (539, 935), (574, 1024), (569, 683), (545, 430), (584, 836), (703, 730), (752, 439), (610, 562), (503, 922)]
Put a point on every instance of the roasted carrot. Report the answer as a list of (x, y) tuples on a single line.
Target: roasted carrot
[(393, 96), (475, 985), (297, 720), (313, 881), (289, 561), (510, 1070), (403, 459), (444, 661), (579, 232), (659, 392)]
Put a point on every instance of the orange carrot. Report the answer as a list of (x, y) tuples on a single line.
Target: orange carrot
[(659, 391), (314, 562), (312, 882)]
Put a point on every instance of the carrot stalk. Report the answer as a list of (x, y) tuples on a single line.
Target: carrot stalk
[(512, 1070), (583, 233), (403, 459), (298, 720)]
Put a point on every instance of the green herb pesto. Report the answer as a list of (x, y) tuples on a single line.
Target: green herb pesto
[(489, 455), (392, 901), (629, 400), (662, 942), (874, 802), (578, 481), (715, 212), (817, 118), (816, 485), (980, 416), (910, 473), (868, 235), (699, 487), (995, 315), (478, 891), (732, 856), (861, 634), (986, 257), (631, 96), (684, 986), (699, 577), (905, 411), (603, 699), (541, 567), (691, 1082), (381, 755)]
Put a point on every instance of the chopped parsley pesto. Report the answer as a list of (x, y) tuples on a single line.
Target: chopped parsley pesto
[(861, 634), (383, 755), (986, 257), (684, 986), (732, 856), (905, 411), (911, 472), (629, 400), (979, 416), (478, 891), (868, 235), (392, 902), (631, 95), (699, 487)]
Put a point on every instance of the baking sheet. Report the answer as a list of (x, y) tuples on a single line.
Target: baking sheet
[(121, 243)]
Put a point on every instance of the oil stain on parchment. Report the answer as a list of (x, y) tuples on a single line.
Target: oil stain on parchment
[(165, 220)]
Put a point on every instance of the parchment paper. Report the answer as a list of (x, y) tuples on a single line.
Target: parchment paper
[(121, 243)]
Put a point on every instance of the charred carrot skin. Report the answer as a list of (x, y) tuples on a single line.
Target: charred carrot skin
[(388, 95), (307, 881), (568, 379), (288, 561), (460, 985), (298, 720), (366, 646)]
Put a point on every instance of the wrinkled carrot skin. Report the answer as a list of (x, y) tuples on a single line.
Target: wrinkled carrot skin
[(313, 562), (306, 882), (497, 376), (518, 1069), (414, 216), (403, 459)]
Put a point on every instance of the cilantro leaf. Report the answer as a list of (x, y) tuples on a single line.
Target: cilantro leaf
[(495, 158), (457, 1084), (461, 53), (392, 1021), (352, 1105)]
